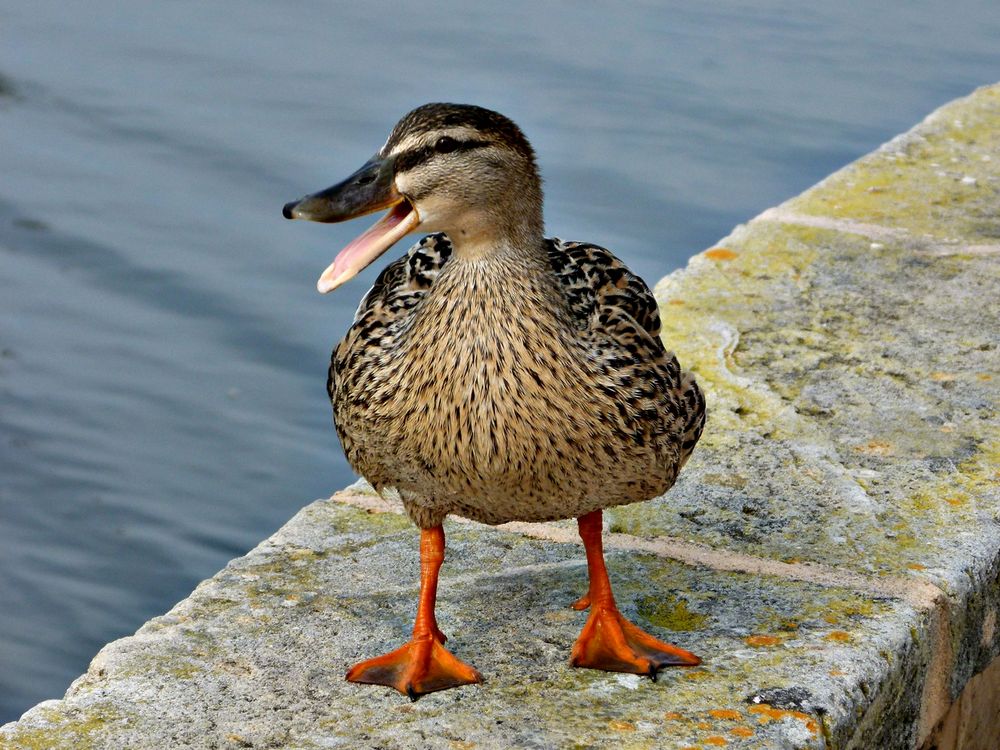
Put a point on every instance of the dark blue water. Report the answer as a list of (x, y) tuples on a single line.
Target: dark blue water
[(162, 348)]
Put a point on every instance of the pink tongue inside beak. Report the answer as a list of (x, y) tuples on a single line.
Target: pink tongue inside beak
[(400, 220)]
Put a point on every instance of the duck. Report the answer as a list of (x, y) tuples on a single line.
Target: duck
[(497, 374)]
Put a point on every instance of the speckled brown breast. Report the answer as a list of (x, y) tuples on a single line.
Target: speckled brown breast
[(520, 387)]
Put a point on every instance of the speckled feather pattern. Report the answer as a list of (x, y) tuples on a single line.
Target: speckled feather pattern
[(524, 386)]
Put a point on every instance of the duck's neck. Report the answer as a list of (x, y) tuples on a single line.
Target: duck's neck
[(521, 248), (511, 226)]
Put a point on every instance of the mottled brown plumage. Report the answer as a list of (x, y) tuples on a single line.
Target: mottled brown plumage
[(529, 387), (496, 374)]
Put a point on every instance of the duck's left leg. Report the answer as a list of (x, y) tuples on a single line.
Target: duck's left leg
[(423, 665), (609, 641)]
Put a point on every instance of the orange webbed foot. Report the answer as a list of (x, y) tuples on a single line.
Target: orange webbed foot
[(421, 666), (612, 643)]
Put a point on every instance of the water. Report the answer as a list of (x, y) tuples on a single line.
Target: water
[(162, 349)]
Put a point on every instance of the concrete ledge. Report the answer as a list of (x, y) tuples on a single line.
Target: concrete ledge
[(832, 550)]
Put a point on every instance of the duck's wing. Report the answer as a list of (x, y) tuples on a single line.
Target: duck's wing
[(594, 280), (621, 318), (404, 282)]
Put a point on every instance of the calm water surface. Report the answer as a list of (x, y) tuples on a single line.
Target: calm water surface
[(162, 348)]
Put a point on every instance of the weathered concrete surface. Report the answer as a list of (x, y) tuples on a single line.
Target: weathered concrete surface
[(831, 550)]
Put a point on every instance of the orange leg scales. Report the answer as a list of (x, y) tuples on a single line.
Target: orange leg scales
[(609, 641)]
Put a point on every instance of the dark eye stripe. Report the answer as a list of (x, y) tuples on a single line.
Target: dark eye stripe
[(410, 159)]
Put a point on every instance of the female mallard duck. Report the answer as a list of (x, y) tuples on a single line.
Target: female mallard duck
[(497, 374)]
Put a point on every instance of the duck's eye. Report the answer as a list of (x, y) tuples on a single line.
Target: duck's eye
[(445, 144)]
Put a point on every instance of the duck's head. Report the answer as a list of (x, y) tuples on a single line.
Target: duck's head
[(452, 168)]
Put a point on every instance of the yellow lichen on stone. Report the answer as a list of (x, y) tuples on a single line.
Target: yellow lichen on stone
[(80, 730), (669, 612)]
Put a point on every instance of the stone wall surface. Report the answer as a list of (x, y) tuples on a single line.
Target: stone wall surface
[(832, 550)]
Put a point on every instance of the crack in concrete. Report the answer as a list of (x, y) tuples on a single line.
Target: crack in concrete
[(460, 579), (876, 232), (921, 595)]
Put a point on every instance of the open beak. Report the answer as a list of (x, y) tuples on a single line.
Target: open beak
[(371, 188)]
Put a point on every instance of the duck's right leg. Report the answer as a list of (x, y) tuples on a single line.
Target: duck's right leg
[(423, 665)]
